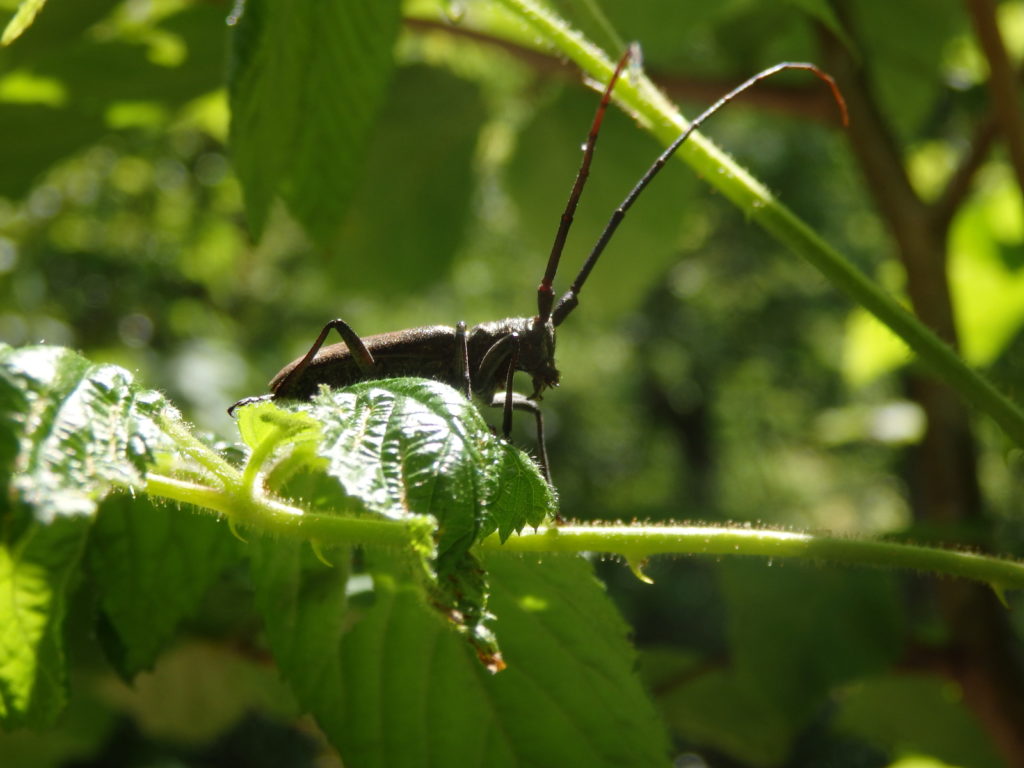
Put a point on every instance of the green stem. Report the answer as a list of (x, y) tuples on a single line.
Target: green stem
[(662, 120), (199, 452), (241, 504), (636, 543), (275, 518), (259, 455)]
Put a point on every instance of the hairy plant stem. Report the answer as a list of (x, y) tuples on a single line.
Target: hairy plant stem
[(237, 497), (635, 543), (198, 451), (661, 119), (638, 542), (271, 517)]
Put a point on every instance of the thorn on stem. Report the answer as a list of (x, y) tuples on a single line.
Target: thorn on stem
[(636, 565), (318, 551)]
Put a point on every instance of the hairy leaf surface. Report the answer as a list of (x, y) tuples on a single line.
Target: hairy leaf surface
[(70, 433), (409, 448), (153, 565)]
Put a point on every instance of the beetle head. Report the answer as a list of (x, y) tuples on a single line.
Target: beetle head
[(537, 356)]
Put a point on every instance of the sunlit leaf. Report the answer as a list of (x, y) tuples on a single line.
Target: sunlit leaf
[(414, 446), (264, 421), (82, 429), (410, 448), (36, 569), (70, 433), (870, 350), (986, 272)]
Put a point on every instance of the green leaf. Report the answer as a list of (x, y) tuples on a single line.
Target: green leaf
[(81, 429), (265, 427), (902, 67), (22, 20), (419, 221), (985, 245), (410, 448), (794, 636), (393, 686), (303, 606), (70, 433), (153, 566), (418, 447), (519, 496), (824, 13), (916, 714), (571, 692), (262, 422), (717, 710), (797, 631), (36, 569), (305, 85)]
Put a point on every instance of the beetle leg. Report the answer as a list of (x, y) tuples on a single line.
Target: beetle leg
[(513, 358), (507, 349), (492, 361), (462, 358), (367, 365), (522, 403), (249, 401)]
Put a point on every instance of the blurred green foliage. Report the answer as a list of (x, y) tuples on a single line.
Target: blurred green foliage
[(706, 375)]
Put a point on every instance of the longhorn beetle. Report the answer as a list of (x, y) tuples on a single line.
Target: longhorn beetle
[(483, 359)]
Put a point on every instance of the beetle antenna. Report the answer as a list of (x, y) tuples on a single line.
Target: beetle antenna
[(545, 293), (570, 299)]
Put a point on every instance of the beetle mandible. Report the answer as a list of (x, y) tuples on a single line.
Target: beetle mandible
[(482, 360)]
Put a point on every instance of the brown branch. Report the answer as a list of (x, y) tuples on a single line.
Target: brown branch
[(1002, 81), (538, 61), (921, 247), (807, 102), (959, 184), (942, 475)]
